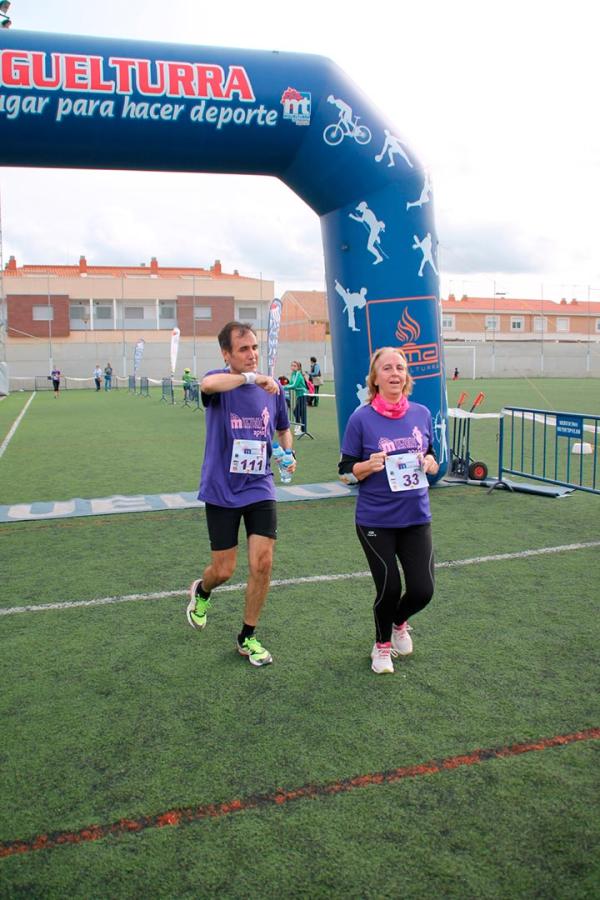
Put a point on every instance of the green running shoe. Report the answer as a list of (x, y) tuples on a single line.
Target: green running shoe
[(196, 608), (256, 653)]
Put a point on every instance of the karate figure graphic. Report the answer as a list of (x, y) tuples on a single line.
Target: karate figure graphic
[(392, 145), (425, 193), (426, 248), (352, 302), (374, 226)]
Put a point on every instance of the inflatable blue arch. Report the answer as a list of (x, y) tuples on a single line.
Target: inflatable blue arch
[(86, 102)]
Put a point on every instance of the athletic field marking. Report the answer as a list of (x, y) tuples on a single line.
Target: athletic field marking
[(187, 815), (283, 582), (15, 425)]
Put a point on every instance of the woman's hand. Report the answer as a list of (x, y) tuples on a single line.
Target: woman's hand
[(430, 465), (375, 463)]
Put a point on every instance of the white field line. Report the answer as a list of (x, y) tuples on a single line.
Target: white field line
[(15, 425), (282, 582)]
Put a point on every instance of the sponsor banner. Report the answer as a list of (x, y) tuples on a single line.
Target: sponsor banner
[(138, 353), (273, 334), (174, 349), (409, 324)]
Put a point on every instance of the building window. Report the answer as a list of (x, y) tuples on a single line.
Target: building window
[(203, 312), (516, 323), (492, 323), (597, 324), (79, 312), (43, 314), (540, 324), (134, 312), (248, 313), (562, 324), (166, 312), (103, 312), (448, 322)]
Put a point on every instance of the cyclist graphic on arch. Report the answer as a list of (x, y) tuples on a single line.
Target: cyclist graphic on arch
[(346, 125), (374, 226), (391, 146), (426, 248)]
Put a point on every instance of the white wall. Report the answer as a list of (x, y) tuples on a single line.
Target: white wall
[(508, 359)]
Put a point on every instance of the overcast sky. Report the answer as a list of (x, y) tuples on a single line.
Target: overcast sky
[(498, 99)]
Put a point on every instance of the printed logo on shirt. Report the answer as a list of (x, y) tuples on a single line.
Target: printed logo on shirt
[(414, 443), (258, 424)]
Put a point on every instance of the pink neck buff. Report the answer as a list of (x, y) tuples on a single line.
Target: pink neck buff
[(390, 410)]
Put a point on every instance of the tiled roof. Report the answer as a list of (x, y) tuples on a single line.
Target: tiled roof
[(118, 271), (515, 305), (312, 303)]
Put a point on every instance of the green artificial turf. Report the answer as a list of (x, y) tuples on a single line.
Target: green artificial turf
[(123, 711)]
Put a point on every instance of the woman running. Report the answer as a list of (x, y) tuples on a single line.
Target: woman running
[(387, 449)]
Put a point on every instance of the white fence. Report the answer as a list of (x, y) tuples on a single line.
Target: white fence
[(505, 359)]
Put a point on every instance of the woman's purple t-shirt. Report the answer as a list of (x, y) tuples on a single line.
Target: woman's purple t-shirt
[(246, 413), (369, 432)]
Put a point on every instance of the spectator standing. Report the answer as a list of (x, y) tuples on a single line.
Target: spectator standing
[(188, 380), (298, 385), (108, 373), (97, 376), (55, 378), (315, 376)]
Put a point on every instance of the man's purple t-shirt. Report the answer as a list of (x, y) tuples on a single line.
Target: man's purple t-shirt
[(246, 413), (369, 432)]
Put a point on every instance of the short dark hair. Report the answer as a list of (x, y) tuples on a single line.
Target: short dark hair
[(313, 359), (224, 336)]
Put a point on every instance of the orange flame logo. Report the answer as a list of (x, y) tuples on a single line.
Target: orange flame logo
[(407, 329)]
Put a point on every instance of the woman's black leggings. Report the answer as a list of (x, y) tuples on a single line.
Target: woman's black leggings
[(413, 547)]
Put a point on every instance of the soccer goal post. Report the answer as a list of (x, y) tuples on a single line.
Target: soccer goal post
[(461, 357)]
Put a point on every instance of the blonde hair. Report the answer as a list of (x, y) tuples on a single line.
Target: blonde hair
[(372, 387)]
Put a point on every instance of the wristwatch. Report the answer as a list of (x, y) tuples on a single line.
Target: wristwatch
[(250, 377)]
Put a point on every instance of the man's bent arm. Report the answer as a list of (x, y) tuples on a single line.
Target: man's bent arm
[(285, 439), (220, 382)]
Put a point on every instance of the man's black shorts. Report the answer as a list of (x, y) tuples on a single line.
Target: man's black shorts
[(224, 522)]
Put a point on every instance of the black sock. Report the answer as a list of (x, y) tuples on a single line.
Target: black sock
[(246, 632), (200, 592)]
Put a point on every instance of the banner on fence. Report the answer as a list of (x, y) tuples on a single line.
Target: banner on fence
[(174, 349), (138, 353), (273, 334)]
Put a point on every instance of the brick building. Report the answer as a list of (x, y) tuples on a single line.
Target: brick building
[(66, 302), (508, 319)]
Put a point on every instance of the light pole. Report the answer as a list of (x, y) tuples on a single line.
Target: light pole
[(194, 366), (542, 335), (49, 324), (124, 348), (495, 294)]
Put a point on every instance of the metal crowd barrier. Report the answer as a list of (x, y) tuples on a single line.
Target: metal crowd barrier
[(168, 394), (554, 447)]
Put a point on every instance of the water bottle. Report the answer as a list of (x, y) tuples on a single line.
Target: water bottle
[(279, 455), (284, 467)]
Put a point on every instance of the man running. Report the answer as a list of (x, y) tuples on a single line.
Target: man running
[(243, 410)]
